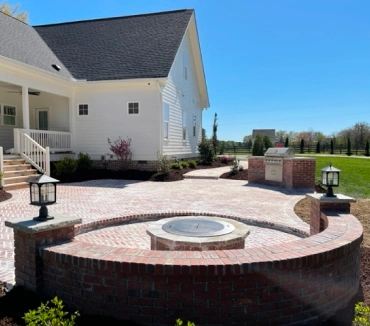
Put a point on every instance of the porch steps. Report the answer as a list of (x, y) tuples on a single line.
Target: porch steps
[(17, 172)]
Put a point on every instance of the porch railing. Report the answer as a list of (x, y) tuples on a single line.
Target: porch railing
[(57, 141), (32, 151)]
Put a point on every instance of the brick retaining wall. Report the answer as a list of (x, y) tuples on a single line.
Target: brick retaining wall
[(303, 280)]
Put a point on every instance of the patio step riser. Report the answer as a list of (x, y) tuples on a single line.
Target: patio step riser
[(12, 180), (16, 186), (17, 167), (14, 161), (19, 173)]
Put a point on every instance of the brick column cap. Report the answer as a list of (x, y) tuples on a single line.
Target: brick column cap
[(31, 226), (339, 199)]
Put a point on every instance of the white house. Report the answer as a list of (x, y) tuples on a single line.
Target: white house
[(71, 86)]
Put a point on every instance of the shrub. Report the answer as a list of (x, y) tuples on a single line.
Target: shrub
[(241, 168), (225, 159), (176, 166), (367, 151), (318, 148), (362, 315), (192, 164), (66, 166), (51, 316), (121, 148), (179, 322), (184, 164), (206, 151), (1, 177), (164, 165), (235, 167), (301, 150), (84, 161)]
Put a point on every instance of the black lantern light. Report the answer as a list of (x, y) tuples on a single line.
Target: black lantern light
[(330, 178), (43, 191)]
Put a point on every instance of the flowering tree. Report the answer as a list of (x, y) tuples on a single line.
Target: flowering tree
[(121, 148)]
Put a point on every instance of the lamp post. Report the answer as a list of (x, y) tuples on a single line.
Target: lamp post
[(43, 192), (330, 178)]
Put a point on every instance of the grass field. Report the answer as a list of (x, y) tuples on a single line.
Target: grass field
[(354, 178)]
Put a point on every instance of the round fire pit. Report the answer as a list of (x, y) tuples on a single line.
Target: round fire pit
[(197, 233)]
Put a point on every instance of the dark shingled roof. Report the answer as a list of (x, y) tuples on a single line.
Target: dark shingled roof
[(141, 46), (20, 42)]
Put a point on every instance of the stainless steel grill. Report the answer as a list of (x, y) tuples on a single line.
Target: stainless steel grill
[(274, 159)]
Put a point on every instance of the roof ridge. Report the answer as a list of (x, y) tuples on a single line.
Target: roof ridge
[(117, 17)]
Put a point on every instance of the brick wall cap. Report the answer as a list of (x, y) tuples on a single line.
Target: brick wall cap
[(28, 225), (339, 199)]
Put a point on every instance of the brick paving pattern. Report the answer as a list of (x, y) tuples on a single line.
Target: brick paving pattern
[(134, 236), (103, 199)]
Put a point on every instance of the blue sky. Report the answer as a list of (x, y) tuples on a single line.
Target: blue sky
[(290, 65)]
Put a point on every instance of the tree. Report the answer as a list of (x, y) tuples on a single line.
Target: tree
[(204, 135), (318, 149), (13, 11), (267, 142), (257, 149), (302, 146), (331, 146), (214, 135), (367, 148), (286, 144), (349, 147), (247, 138)]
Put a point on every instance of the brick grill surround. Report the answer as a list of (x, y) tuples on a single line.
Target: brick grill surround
[(298, 172), (306, 280)]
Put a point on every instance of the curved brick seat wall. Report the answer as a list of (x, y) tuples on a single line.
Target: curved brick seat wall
[(304, 280)]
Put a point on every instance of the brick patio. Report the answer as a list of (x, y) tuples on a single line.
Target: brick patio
[(103, 199)]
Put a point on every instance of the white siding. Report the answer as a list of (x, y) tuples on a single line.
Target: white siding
[(108, 118), (182, 94), (58, 110)]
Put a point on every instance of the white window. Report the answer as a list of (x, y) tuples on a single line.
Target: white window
[(183, 126), (194, 125), (9, 115), (185, 66), (133, 108), (83, 109), (166, 119)]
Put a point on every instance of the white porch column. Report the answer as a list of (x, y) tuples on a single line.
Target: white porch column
[(72, 116), (25, 108)]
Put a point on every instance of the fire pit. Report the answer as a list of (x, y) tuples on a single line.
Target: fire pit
[(197, 233)]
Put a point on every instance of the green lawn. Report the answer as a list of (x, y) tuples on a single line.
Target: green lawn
[(354, 179)]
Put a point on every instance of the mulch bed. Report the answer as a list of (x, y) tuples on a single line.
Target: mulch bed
[(4, 195)]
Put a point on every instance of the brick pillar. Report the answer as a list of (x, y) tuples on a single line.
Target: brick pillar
[(320, 203), (29, 235)]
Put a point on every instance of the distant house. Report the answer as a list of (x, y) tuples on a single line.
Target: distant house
[(71, 86), (270, 133)]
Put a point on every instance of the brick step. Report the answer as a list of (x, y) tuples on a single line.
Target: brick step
[(17, 167), (19, 179), (18, 173), (16, 161), (16, 186)]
